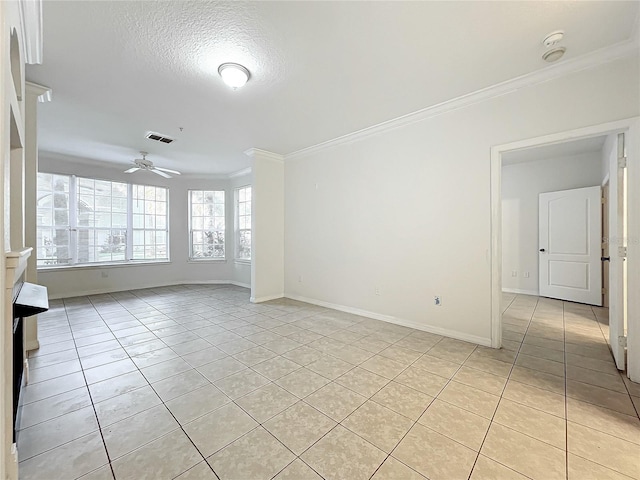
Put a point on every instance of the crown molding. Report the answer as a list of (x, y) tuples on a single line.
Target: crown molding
[(264, 154), (43, 93), (240, 173), (584, 62), (118, 167), (31, 19)]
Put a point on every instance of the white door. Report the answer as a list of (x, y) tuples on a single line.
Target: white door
[(614, 150), (570, 245)]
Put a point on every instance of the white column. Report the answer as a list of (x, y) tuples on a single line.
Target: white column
[(267, 225), (34, 94)]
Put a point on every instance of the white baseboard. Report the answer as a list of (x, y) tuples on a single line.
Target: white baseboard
[(214, 282), (521, 291), (397, 321), (101, 291), (266, 298)]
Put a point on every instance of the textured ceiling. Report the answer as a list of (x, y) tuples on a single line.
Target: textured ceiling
[(319, 69)]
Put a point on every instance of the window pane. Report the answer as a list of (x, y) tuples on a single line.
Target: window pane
[(95, 221), (150, 223), (52, 220), (207, 223), (243, 223)]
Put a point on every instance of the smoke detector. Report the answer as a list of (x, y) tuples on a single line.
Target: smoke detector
[(553, 38), (554, 54)]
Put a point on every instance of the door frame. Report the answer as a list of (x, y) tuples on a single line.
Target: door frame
[(605, 234), (631, 126)]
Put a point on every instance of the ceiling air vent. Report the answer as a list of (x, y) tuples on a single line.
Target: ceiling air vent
[(158, 137)]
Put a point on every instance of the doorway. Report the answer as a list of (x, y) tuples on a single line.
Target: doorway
[(618, 305)]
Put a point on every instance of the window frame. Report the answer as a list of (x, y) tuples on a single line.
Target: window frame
[(73, 217), (193, 258), (237, 229)]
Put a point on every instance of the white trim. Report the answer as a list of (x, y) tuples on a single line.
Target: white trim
[(31, 19), (264, 154), (206, 260), (43, 93), (496, 220), (101, 291), (240, 173), (605, 180), (633, 251), (214, 282), (589, 60), (202, 176), (266, 298), (396, 321), (520, 291), (101, 266)]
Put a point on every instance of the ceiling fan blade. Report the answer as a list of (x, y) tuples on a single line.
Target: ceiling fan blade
[(132, 169), (175, 172), (159, 172)]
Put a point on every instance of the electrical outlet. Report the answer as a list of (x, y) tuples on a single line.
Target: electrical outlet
[(377, 291), (437, 300), (105, 274), (526, 274)]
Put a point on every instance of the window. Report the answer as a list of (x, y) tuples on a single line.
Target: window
[(149, 223), (206, 224), (101, 221), (85, 221), (243, 223), (53, 225)]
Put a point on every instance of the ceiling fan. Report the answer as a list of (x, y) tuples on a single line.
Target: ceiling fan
[(144, 164)]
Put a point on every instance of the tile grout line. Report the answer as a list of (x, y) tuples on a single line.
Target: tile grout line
[(620, 373), (180, 425), (93, 406), (504, 388), (566, 399), (334, 380), (164, 405)]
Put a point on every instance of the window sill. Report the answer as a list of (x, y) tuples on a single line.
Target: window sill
[(207, 260), (133, 263), (242, 262)]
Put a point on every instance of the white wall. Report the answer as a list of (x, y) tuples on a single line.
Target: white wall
[(408, 210), (64, 282), (267, 226), (521, 185)]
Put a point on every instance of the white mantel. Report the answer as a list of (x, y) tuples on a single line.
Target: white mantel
[(15, 266)]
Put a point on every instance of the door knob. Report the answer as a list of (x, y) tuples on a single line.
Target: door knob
[(542, 250), (605, 259)]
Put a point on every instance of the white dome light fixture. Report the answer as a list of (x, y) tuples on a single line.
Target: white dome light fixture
[(234, 74)]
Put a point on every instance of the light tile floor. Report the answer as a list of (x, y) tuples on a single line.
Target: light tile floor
[(194, 382)]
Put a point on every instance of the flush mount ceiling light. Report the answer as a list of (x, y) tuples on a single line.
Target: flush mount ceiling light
[(234, 75), (554, 54)]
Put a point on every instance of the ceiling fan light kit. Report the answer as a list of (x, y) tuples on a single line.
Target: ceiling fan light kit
[(144, 164)]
